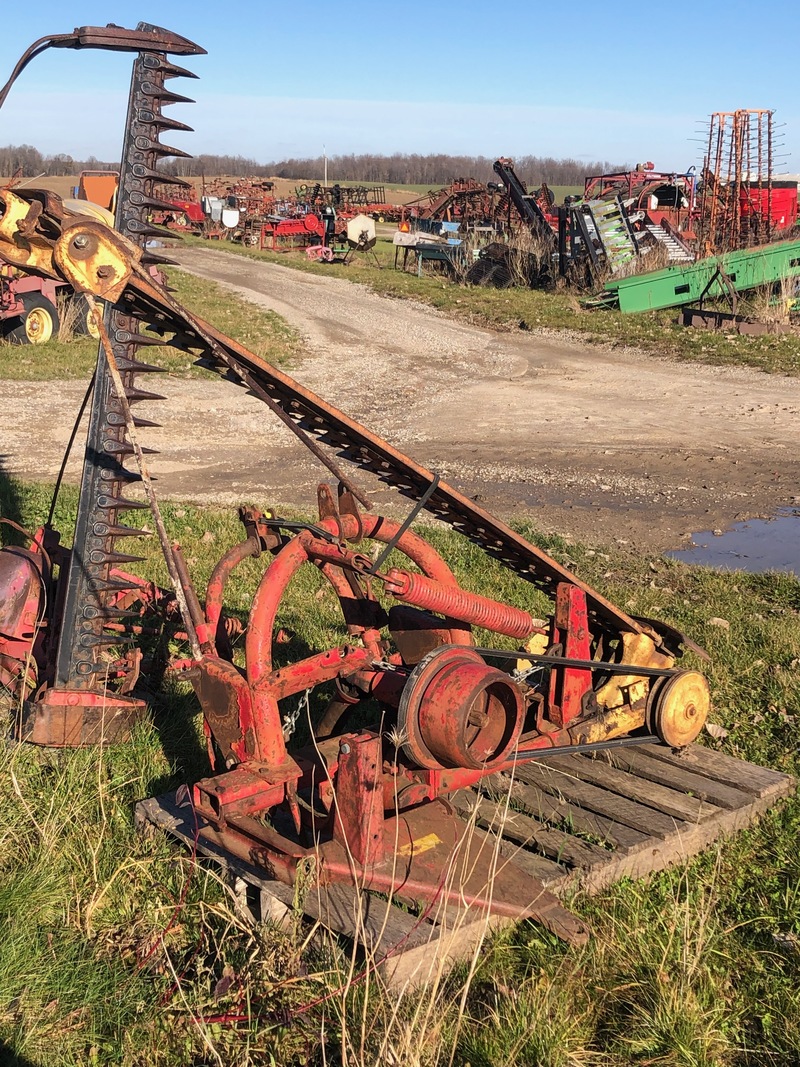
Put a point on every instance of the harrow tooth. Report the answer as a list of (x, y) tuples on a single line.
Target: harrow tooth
[(164, 96), (135, 396), (121, 503), (146, 422)]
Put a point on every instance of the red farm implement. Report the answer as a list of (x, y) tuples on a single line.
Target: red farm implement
[(438, 708)]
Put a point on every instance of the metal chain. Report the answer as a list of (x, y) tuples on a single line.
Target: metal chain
[(291, 720)]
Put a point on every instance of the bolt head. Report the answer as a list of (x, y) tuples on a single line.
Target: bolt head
[(80, 240), (344, 749)]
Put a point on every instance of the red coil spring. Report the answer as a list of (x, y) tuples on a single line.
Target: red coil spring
[(422, 592)]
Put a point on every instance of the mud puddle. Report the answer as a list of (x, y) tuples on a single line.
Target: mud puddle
[(757, 545)]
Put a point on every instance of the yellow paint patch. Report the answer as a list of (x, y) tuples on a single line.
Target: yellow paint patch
[(422, 844)]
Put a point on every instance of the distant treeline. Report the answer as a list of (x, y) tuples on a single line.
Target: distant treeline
[(397, 169), (439, 169), (28, 162)]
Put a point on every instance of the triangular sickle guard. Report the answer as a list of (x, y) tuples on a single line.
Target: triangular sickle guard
[(91, 640), (159, 149), (151, 201), (184, 341), (152, 259), (110, 612), (164, 95), (133, 611), (136, 367), (114, 557), (141, 423), (112, 585), (143, 229), (125, 337), (125, 448), (164, 122), (122, 474), (141, 171), (102, 529), (135, 396), (172, 70), (121, 503)]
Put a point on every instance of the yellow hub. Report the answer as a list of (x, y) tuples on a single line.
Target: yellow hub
[(38, 326), (678, 708)]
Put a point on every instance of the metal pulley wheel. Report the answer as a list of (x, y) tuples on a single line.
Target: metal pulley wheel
[(678, 707), (456, 711)]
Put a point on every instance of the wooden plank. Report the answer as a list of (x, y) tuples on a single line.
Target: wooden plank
[(758, 781), (532, 864), (406, 949), (627, 812), (524, 830), (664, 799), (542, 806), (655, 770), (165, 813), (341, 908), (677, 848)]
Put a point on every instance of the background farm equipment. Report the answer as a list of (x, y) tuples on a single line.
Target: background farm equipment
[(432, 688), (28, 306)]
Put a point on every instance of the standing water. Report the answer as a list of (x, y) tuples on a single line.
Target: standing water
[(757, 545)]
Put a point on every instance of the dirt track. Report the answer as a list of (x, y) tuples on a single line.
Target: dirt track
[(600, 444)]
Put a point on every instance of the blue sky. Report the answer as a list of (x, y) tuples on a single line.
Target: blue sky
[(585, 79)]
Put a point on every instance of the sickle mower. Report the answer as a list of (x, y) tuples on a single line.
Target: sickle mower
[(438, 711)]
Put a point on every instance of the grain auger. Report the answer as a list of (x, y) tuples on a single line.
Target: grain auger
[(436, 710)]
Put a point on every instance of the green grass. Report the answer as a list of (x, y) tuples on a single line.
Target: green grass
[(117, 950), (534, 311), (260, 330)]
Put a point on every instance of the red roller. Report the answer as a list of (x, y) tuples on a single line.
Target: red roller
[(421, 592)]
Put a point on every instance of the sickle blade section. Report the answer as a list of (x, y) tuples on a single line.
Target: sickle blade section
[(92, 588)]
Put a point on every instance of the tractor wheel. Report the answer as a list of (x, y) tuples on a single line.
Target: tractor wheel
[(84, 324), (37, 324)]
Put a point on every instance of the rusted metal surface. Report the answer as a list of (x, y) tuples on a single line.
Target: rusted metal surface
[(456, 711), (74, 718), (736, 202), (358, 822)]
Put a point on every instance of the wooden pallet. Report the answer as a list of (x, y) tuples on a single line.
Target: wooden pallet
[(572, 821)]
